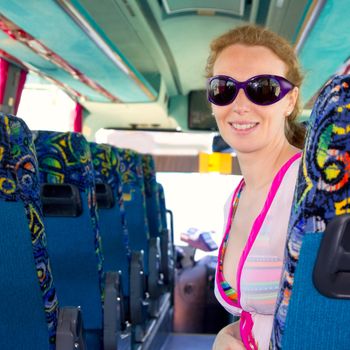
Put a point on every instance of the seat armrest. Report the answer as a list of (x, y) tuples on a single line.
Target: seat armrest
[(167, 258), (138, 296), (155, 277), (112, 310), (69, 334)]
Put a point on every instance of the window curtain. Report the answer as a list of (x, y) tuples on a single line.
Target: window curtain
[(4, 69), (77, 117)]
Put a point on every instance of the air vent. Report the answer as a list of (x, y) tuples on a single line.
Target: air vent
[(232, 7)]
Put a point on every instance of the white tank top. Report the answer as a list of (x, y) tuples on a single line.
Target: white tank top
[(260, 265)]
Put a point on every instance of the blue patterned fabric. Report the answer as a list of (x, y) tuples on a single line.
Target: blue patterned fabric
[(64, 157), (113, 226), (104, 162), (162, 205), (130, 171), (130, 167), (322, 192), (74, 242), (19, 182), (152, 199), (133, 187)]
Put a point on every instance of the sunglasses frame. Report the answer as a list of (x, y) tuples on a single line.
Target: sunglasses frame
[(285, 86)]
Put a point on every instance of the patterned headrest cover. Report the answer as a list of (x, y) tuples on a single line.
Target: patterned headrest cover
[(130, 167), (19, 181), (65, 157), (149, 173), (105, 163), (325, 169)]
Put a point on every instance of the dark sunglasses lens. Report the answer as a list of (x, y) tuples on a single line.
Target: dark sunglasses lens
[(264, 90), (221, 91)]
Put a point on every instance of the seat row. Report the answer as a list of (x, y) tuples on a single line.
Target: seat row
[(85, 237)]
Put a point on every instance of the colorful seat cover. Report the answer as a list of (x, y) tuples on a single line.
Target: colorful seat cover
[(305, 319), (19, 181)]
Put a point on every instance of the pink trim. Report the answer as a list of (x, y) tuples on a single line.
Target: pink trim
[(219, 277), (245, 328), (21, 82), (256, 228)]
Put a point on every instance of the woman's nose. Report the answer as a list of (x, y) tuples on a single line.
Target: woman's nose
[(241, 103)]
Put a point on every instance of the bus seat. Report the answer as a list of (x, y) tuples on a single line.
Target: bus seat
[(29, 307), (113, 228), (71, 221), (313, 306), (166, 241), (153, 219), (30, 318), (110, 205), (136, 217), (162, 205), (152, 198)]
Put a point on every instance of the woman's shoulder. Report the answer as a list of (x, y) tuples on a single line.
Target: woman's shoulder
[(289, 168), (285, 179)]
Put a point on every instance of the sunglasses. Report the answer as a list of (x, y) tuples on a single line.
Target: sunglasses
[(262, 90)]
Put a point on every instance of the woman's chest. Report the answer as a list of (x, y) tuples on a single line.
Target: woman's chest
[(238, 236)]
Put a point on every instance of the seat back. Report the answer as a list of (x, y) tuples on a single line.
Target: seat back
[(167, 241), (28, 303), (133, 188), (313, 307), (111, 210), (162, 205), (152, 198), (71, 221)]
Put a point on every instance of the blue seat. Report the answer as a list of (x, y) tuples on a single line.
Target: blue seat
[(162, 205), (134, 201), (156, 215), (140, 239), (153, 209), (28, 303), (74, 244), (115, 238), (155, 220), (313, 307), (167, 241), (112, 221)]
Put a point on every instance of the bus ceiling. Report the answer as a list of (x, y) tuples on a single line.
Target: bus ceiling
[(114, 55)]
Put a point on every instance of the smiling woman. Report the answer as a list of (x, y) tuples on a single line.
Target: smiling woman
[(255, 100), (134, 73)]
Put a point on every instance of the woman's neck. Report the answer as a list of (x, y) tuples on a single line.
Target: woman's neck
[(259, 168)]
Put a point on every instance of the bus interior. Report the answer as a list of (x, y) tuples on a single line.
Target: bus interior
[(113, 95)]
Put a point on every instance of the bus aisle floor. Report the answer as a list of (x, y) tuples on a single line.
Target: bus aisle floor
[(187, 341)]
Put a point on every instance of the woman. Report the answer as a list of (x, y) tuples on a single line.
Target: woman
[(253, 86)]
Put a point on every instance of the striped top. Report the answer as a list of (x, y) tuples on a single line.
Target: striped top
[(226, 287), (260, 265)]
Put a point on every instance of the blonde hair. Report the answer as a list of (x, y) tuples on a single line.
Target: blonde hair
[(252, 35)]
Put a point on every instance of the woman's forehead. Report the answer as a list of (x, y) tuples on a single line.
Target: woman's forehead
[(241, 60)]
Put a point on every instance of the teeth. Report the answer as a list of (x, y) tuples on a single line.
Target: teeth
[(243, 126)]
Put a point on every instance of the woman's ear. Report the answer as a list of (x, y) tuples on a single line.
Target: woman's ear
[(292, 100)]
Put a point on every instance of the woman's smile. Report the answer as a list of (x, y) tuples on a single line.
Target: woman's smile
[(243, 127)]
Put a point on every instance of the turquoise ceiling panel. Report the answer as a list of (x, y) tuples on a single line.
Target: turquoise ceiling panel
[(49, 24), (327, 46), (16, 49)]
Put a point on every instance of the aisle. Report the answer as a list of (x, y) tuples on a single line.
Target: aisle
[(186, 341)]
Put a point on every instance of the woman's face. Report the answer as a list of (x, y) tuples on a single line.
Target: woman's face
[(245, 126)]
